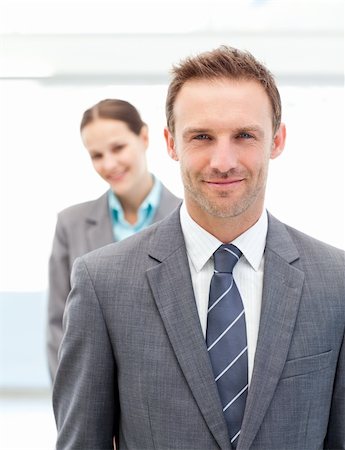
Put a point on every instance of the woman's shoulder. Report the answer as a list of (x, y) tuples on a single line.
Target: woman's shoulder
[(83, 209)]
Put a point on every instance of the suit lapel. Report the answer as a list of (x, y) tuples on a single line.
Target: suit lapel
[(173, 293), (98, 224), (282, 291), (167, 203)]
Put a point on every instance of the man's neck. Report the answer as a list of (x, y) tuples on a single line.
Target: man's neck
[(226, 229)]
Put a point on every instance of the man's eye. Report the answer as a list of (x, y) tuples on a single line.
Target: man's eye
[(202, 137), (245, 136), (96, 156)]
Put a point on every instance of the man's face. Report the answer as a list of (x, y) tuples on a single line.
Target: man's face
[(224, 140)]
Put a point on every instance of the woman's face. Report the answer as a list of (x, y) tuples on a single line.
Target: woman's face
[(118, 155)]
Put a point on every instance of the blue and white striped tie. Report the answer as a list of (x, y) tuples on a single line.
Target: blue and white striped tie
[(226, 339)]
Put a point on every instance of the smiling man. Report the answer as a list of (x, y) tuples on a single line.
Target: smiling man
[(219, 327), (224, 138)]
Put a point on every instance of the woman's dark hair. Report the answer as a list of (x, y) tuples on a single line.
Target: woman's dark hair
[(114, 109)]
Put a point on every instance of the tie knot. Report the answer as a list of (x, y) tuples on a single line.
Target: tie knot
[(225, 258)]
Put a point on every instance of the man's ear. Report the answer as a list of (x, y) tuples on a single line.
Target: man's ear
[(170, 141), (278, 142)]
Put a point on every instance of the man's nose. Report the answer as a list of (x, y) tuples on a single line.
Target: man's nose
[(224, 156)]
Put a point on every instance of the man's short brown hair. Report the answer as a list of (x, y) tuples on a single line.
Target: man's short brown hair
[(223, 62)]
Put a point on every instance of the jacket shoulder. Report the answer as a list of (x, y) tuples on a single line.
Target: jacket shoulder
[(318, 258), (75, 213), (306, 243), (285, 239)]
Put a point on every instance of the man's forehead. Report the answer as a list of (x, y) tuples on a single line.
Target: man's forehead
[(204, 91), (204, 101)]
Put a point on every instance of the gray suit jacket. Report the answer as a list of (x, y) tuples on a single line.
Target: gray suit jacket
[(133, 360), (80, 229)]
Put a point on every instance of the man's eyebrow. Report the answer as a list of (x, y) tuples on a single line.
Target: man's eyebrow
[(245, 129), (249, 128), (188, 131)]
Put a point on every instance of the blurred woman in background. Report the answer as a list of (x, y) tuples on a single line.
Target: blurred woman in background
[(117, 139)]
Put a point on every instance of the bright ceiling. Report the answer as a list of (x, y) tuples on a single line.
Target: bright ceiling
[(137, 41)]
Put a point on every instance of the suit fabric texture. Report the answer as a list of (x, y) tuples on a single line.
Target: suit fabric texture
[(134, 363), (80, 229)]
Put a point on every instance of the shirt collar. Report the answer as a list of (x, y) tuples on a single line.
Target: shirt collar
[(201, 245)]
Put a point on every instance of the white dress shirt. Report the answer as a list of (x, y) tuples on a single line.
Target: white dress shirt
[(248, 272)]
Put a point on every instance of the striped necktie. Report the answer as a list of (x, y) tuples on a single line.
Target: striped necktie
[(226, 339)]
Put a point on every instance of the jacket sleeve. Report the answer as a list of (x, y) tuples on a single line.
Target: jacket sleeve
[(58, 289), (84, 395)]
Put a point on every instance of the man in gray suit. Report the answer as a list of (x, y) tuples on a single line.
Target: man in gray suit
[(136, 362)]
